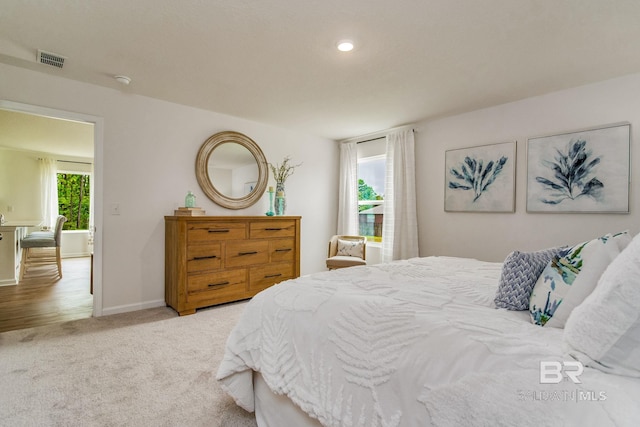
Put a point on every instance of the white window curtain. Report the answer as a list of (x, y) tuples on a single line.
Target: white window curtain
[(91, 208), (348, 191), (400, 225), (49, 184)]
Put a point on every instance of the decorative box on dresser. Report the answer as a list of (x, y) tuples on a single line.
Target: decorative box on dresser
[(211, 260)]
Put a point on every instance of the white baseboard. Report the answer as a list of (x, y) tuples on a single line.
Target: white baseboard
[(132, 307), (8, 282), (76, 255)]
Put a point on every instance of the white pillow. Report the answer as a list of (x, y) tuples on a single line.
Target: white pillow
[(604, 331), (350, 248), (568, 279), (622, 239)]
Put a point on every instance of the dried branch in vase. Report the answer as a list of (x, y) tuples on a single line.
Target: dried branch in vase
[(283, 171)]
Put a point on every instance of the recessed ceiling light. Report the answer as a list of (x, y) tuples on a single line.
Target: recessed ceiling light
[(345, 45)]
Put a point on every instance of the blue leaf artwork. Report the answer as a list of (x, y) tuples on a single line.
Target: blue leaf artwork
[(581, 171), (480, 178), (475, 175), (573, 174)]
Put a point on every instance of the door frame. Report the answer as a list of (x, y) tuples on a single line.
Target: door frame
[(98, 131)]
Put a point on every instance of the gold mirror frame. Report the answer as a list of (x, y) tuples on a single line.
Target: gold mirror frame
[(202, 173)]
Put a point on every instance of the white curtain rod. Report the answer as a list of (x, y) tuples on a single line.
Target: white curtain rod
[(69, 161), (376, 135), (372, 139)]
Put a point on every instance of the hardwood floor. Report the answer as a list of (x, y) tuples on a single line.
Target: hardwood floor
[(40, 299)]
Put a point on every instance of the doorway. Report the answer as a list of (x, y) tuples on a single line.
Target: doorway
[(87, 150)]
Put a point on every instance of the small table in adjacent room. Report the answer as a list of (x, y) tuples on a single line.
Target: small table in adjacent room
[(10, 252)]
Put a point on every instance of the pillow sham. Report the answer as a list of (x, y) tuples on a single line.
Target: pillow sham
[(350, 248), (604, 331), (568, 279), (622, 239), (520, 271)]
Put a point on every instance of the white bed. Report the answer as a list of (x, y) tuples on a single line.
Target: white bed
[(408, 343)]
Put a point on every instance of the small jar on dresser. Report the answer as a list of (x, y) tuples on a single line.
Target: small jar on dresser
[(212, 260)]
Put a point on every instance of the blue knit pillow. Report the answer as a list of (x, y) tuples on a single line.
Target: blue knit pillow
[(520, 272)]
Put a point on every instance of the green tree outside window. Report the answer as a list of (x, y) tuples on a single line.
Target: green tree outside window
[(74, 200), (366, 192), (369, 225)]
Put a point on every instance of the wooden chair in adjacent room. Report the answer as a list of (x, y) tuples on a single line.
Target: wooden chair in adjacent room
[(42, 247), (346, 251)]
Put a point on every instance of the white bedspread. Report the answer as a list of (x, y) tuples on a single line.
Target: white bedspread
[(412, 343)]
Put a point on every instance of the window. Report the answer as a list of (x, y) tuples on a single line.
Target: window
[(371, 176), (74, 200)]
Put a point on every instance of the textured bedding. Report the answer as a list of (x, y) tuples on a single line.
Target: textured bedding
[(412, 343)]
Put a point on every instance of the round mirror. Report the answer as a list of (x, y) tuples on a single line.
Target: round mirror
[(232, 170)]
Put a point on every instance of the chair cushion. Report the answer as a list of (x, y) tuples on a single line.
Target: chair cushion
[(39, 239), (344, 261), (41, 235)]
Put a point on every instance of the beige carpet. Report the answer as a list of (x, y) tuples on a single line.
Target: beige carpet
[(147, 368)]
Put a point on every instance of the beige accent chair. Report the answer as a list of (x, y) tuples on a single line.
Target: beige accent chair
[(335, 260), (35, 248)]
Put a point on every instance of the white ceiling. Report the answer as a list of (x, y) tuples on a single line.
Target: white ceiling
[(28, 132), (275, 61)]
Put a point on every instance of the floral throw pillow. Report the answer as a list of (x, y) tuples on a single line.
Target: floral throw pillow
[(349, 248), (568, 279)]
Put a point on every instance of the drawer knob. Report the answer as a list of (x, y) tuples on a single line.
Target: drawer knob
[(220, 230), (211, 285), (269, 276), (272, 229), (247, 253), (284, 250), (204, 257)]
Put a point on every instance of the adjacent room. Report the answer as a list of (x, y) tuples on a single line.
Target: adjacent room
[(47, 164), (321, 214)]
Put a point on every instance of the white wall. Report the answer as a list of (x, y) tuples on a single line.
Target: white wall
[(75, 243), (19, 172), (149, 150), (491, 236)]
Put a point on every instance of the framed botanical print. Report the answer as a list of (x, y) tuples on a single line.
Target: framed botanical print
[(481, 178), (249, 186), (584, 171)]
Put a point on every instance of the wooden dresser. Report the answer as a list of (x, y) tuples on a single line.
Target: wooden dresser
[(216, 259)]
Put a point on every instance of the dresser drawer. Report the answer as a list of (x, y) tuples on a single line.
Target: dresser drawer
[(225, 282), (263, 276), (204, 257), (282, 250), (246, 252), (269, 229), (213, 260), (214, 231)]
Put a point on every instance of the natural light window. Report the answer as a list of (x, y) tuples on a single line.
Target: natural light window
[(371, 175), (74, 200)]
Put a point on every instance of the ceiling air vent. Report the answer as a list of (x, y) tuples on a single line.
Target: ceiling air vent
[(49, 58)]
